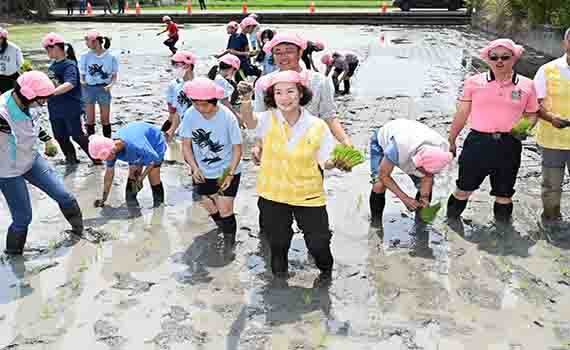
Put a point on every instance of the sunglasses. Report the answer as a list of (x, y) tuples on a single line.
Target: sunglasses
[(502, 58)]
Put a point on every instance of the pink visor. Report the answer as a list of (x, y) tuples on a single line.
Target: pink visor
[(92, 35), (185, 57), (52, 39), (166, 19), (287, 76), (35, 84), (508, 44), (3, 33), (203, 89), (100, 147), (248, 21), (231, 60), (432, 159), (285, 38), (327, 59)]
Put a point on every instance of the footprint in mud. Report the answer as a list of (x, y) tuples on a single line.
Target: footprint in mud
[(177, 329), (106, 333), (126, 282)]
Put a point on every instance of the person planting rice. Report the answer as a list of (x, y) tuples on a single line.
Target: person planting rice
[(11, 61), (212, 147), (183, 63), (312, 47), (20, 161), (417, 150), (140, 144), (344, 65), (297, 147), (173, 36), (494, 102), (99, 69), (64, 105)]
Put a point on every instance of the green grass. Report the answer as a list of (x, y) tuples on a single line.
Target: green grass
[(276, 4)]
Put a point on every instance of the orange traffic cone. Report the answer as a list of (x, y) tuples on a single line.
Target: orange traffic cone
[(127, 8), (189, 7), (384, 7), (312, 7), (89, 9), (244, 7), (138, 9)]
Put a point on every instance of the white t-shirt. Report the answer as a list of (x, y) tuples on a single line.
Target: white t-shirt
[(540, 78), (322, 104), (11, 60), (297, 131)]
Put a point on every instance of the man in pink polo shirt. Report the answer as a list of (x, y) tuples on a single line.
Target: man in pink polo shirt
[(493, 102)]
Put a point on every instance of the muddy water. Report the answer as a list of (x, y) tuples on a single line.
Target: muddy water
[(162, 279)]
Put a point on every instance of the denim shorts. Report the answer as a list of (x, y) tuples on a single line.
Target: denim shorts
[(93, 94)]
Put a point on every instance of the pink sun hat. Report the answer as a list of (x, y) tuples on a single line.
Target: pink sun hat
[(100, 147), (290, 38), (248, 21), (203, 89), (3, 33), (508, 44), (166, 19), (52, 39), (432, 159), (92, 35), (231, 60), (185, 57), (286, 76), (35, 84), (327, 59), (319, 44)]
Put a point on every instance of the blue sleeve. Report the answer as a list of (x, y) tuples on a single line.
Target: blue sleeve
[(70, 75), (391, 152), (235, 132), (150, 155), (111, 163), (185, 129), (83, 64)]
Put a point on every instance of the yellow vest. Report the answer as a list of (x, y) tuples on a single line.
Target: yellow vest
[(292, 176), (557, 101)]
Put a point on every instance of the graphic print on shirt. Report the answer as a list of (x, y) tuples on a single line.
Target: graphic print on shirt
[(210, 148), (97, 69), (183, 100), (51, 75)]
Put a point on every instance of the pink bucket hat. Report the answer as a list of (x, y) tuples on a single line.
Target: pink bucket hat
[(35, 84), (320, 44), (327, 59), (166, 19), (185, 57), (294, 39), (287, 76), (231, 60), (3, 33), (432, 159), (203, 89), (233, 24), (92, 35), (100, 147), (508, 44), (52, 39), (248, 21)]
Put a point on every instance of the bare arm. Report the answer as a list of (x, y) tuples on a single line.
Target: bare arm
[(63, 88), (385, 176), (459, 121), (426, 187), (189, 154), (107, 183), (236, 158), (113, 81), (338, 131)]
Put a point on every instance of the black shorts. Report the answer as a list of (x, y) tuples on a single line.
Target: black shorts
[(498, 157), (351, 69), (211, 187)]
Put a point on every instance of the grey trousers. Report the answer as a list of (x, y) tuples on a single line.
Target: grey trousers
[(554, 164)]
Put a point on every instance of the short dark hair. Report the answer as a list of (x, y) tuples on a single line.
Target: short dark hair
[(567, 34), (212, 101), (306, 96)]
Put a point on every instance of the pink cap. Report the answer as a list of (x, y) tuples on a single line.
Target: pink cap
[(100, 147), (432, 159), (508, 44), (294, 39), (231, 60), (35, 84), (248, 21), (3, 33), (233, 24), (286, 76), (320, 44), (92, 35), (52, 39), (254, 15), (166, 19), (185, 57), (327, 59), (203, 89)]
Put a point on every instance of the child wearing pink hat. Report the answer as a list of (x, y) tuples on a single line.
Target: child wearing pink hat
[(21, 162), (212, 146), (223, 74), (183, 64), (11, 60), (238, 45), (264, 58), (173, 36), (140, 144), (414, 148), (312, 47)]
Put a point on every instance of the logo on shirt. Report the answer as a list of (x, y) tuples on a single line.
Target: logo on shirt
[(516, 95), (53, 77), (183, 100), (97, 69), (209, 148)]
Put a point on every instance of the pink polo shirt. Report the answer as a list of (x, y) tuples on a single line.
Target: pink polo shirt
[(495, 106)]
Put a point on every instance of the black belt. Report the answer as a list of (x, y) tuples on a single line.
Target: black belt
[(492, 135)]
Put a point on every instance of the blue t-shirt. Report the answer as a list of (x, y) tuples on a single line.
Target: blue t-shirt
[(144, 144), (98, 69), (212, 139), (68, 104), (176, 97), (239, 42)]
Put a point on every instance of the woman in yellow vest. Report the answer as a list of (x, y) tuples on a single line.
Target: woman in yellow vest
[(296, 148), (552, 83)]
